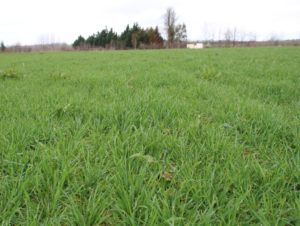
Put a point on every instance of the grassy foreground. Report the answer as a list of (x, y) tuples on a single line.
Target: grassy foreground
[(172, 137)]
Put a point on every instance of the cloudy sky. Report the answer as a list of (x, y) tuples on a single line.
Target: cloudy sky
[(36, 21)]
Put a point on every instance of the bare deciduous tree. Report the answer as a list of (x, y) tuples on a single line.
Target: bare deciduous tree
[(208, 32), (169, 22), (180, 32), (231, 36), (228, 36), (234, 36), (242, 36), (252, 37)]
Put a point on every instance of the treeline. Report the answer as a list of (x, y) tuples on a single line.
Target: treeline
[(253, 43), (54, 47), (131, 38)]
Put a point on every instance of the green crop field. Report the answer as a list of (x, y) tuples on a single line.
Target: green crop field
[(162, 137)]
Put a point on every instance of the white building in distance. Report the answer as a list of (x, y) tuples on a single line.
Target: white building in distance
[(195, 46)]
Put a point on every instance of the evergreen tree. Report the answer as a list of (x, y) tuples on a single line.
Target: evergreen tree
[(103, 39), (131, 37), (153, 38), (91, 40), (125, 37), (2, 47), (79, 42)]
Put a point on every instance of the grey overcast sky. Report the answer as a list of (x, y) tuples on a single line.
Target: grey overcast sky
[(36, 21)]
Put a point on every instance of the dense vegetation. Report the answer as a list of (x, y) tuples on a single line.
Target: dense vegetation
[(131, 37), (166, 137), (2, 47)]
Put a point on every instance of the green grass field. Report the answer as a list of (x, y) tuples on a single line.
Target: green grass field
[(165, 137)]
